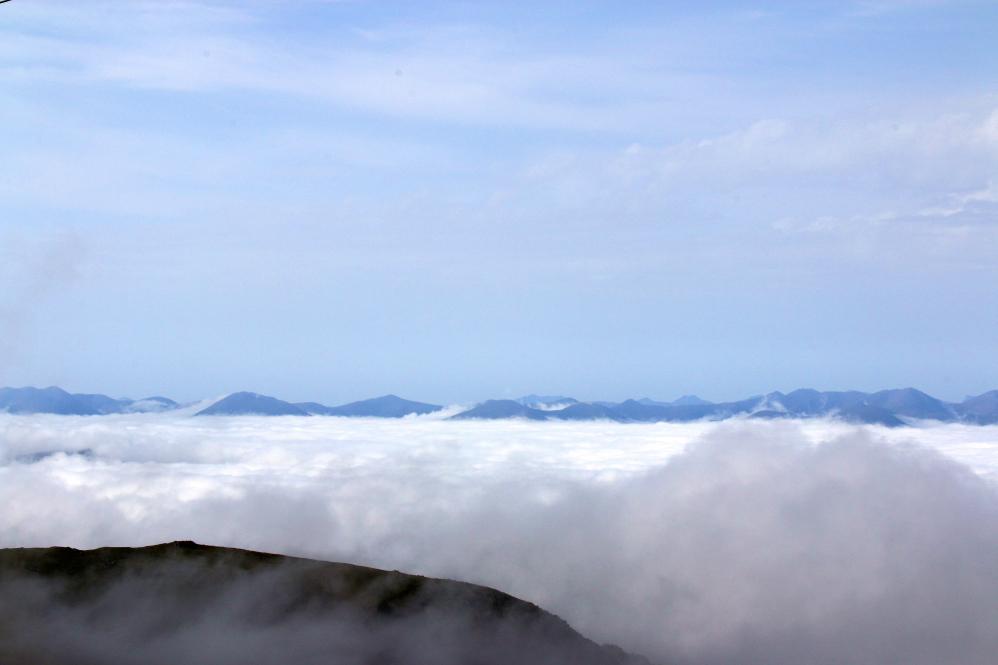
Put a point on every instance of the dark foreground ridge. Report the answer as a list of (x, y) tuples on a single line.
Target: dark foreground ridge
[(187, 603)]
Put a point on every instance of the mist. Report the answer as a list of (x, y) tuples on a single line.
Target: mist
[(740, 542)]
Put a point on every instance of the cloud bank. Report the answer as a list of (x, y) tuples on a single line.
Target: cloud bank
[(735, 542)]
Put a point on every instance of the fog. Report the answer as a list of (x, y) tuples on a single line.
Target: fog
[(741, 542)]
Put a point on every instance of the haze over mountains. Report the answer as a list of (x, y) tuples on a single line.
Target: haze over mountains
[(886, 407)]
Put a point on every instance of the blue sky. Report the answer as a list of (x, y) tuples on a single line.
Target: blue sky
[(453, 201)]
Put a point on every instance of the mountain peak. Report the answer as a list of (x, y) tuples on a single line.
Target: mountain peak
[(247, 403)]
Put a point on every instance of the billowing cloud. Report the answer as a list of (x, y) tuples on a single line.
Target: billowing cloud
[(732, 542)]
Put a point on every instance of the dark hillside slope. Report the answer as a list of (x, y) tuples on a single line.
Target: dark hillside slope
[(184, 603)]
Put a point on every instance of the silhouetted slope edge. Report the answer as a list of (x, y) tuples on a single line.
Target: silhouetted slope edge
[(188, 603), (242, 404)]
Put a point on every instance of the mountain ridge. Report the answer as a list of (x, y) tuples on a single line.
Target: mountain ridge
[(894, 408)]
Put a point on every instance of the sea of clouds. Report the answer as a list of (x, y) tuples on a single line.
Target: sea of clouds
[(741, 542)]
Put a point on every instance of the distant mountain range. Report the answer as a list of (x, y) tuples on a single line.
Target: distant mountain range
[(389, 406), (57, 400), (887, 407)]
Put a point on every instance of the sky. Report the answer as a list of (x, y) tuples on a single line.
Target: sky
[(454, 201), (735, 542)]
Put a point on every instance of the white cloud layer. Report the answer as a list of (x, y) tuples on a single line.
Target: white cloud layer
[(734, 542)]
